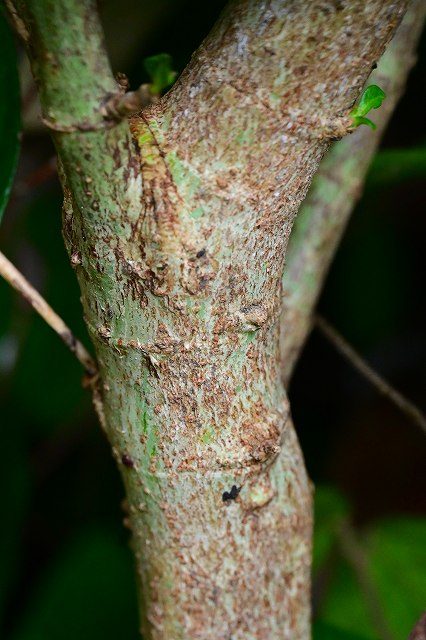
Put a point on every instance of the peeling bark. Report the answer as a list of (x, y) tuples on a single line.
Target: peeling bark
[(182, 223)]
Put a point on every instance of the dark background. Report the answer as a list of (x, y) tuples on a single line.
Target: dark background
[(62, 537)]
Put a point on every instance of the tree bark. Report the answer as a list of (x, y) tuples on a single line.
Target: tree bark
[(334, 192), (177, 228)]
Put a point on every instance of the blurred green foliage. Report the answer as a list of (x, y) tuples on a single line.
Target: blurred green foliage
[(10, 112), (395, 166), (394, 552), (65, 567), (159, 69)]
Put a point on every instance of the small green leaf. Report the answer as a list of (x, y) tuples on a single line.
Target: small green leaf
[(159, 69), (357, 120), (372, 98), (10, 106)]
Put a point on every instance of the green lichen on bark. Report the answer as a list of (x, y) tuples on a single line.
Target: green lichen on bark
[(177, 226)]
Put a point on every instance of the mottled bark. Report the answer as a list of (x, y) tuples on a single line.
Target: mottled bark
[(336, 188), (177, 228)]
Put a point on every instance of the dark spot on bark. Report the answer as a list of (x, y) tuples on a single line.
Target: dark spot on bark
[(374, 65), (331, 7), (117, 158), (301, 70), (203, 281), (231, 495), (201, 253), (127, 461)]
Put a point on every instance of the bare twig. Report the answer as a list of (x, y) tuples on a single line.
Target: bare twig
[(353, 552), (372, 376), (18, 23), (15, 278)]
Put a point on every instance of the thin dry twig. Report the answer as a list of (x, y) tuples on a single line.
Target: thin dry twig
[(379, 383), (19, 24), (15, 278)]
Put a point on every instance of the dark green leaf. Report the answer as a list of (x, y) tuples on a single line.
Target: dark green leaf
[(396, 552), (9, 112), (159, 69), (343, 605)]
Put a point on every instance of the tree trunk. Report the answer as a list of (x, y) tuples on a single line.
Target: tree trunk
[(177, 228)]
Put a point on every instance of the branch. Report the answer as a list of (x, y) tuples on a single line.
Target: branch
[(301, 69), (334, 192), (99, 163), (9, 272), (376, 380), (65, 45), (68, 59)]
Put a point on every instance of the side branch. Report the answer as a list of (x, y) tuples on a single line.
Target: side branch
[(334, 191), (65, 45), (68, 58), (15, 278)]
